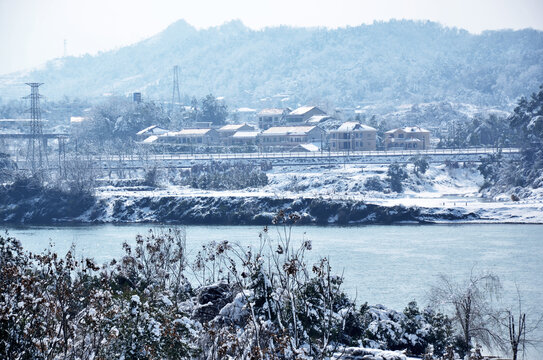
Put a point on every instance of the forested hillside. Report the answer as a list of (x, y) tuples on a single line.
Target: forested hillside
[(387, 62)]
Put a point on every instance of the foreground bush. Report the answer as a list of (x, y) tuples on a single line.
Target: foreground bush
[(263, 302)]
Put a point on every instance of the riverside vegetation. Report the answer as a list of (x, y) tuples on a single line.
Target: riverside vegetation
[(266, 301)]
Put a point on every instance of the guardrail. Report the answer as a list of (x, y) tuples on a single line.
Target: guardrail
[(316, 154), (112, 161)]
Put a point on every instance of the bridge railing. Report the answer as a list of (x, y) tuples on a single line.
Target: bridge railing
[(321, 154)]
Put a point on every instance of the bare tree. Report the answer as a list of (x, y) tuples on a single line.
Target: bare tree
[(472, 304), (80, 174), (519, 332)]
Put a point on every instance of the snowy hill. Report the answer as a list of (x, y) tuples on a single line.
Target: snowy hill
[(392, 62)]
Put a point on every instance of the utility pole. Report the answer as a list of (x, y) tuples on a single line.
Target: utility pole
[(176, 96), (36, 154)]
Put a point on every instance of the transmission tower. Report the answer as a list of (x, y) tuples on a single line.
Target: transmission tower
[(176, 96), (36, 154)]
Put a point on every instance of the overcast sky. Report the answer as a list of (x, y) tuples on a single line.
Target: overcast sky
[(33, 31)]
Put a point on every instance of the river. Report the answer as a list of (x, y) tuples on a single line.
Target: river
[(386, 264)]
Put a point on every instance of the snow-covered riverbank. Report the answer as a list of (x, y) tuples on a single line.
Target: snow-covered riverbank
[(444, 191), (349, 194)]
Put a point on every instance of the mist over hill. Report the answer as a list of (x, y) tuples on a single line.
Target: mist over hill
[(391, 62)]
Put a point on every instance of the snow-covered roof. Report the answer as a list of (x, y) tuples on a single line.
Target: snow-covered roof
[(188, 132), (153, 129), (302, 110), (77, 119), (306, 147), (270, 112), (150, 139), (315, 119), (246, 110), (233, 127), (402, 141), (245, 134), (409, 129), (288, 130), (353, 126)]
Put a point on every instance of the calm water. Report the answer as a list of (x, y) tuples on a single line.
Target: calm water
[(391, 265)]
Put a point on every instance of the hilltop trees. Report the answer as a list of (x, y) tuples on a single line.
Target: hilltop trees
[(527, 121), (208, 109), (118, 120), (526, 127)]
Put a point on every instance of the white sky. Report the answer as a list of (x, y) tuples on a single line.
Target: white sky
[(33, 31)]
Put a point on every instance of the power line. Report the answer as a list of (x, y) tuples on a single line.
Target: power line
[(176, 96), (36, 153)]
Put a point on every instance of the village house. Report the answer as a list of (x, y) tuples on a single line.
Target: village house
[(245, 115), (197, 137), (227, 131), (245, 138), (150, 131), (270, 117), (290, 136), (231, 129), (306, 148), (302, 114), (353, 136), (407, 138), (317, 119)]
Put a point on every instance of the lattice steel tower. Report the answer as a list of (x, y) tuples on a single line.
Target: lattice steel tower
[(36, 153), (175, 93)]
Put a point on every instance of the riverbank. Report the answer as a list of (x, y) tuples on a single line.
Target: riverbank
[(252, 210), (336, 195)]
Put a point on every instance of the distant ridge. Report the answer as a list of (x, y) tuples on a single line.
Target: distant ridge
[(386, 62)]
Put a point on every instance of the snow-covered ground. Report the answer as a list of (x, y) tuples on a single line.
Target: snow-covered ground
[(440, 187)]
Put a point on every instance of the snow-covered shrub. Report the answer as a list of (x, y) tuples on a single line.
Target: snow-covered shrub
[(225, 176), (396, 175), (55, 307), (413, 330), (374, 183), (284, 308), (420, 164), (150, 177)]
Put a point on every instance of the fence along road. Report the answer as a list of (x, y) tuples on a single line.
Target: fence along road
[(176, 160)]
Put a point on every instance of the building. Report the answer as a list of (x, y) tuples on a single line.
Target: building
[(271, 117), (245, 115), (302, 114), (136, 97), (306, 148), (245, 138), (353, 136), (150, 131), (290, 136), (317, 119), (408, 138), (197, 137), (227, 131), (231, 129)]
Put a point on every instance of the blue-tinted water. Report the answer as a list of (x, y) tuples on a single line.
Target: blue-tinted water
[(391, 265)]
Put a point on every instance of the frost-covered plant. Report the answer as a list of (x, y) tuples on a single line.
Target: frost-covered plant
[(396, 175), (55, 307), (413, 330), (420, 164), (283, 308), (374, 183), (225, 176)]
